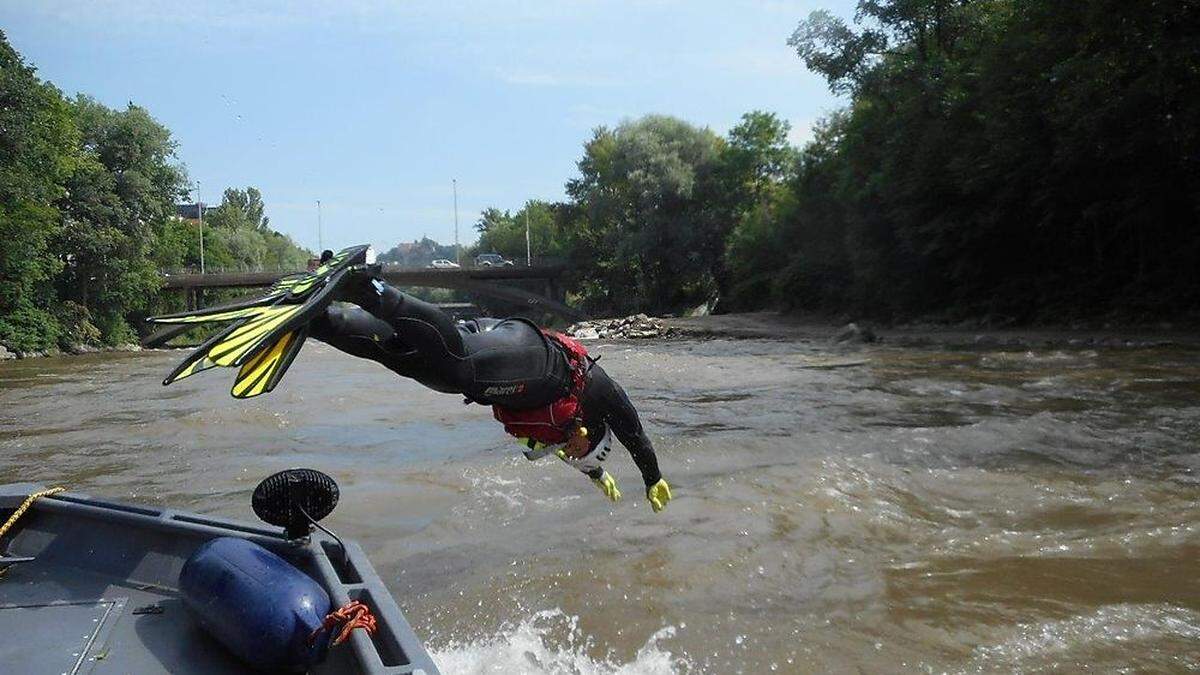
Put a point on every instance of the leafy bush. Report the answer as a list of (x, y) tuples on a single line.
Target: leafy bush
[(28, 329), (75, 325), (115, 330)]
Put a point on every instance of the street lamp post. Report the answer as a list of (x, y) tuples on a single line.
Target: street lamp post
[(200, 217), (457, 251)]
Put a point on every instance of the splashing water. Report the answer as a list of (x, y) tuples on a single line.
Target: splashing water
[(532, 647)]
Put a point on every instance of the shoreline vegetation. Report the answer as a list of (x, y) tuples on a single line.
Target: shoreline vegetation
[(835, 333), (1025, 163), (89, 219), (996, 165)]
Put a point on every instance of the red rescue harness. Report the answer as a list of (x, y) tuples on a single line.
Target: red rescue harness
[(556, 422)]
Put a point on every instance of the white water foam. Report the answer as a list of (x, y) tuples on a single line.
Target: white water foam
[(1055, 642), (531, 647)]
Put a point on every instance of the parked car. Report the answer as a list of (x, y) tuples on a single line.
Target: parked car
[(443, 264), (492, 260)]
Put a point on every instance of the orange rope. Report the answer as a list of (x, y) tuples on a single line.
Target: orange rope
[(353, 615)]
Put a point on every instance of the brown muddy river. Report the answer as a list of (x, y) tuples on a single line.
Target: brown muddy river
[(924, 510)]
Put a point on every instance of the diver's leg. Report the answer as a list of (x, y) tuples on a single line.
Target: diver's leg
[(354, 331), (417, 323), (480, 324)]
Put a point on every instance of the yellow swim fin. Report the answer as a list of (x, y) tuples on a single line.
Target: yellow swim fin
[(267, 332), (260, 374)]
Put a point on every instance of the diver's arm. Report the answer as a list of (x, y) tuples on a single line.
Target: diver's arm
[(604, 398)]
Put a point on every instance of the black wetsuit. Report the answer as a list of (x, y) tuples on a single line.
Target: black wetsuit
[(489, 361)]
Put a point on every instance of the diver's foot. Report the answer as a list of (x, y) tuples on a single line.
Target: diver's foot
[(361, 285)]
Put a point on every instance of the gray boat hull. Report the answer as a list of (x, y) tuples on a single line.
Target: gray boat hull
[(101, 595)]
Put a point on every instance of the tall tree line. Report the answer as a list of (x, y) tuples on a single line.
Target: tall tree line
[(649, 216), (1015, 160), (1023, 160), (87, 217)]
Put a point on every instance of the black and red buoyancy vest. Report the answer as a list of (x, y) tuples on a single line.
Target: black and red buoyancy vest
[(555, 422)]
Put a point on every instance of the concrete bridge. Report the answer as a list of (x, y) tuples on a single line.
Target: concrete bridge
[(492, 282)]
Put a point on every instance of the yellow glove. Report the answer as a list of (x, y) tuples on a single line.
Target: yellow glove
[(608, 485), (659, 494)]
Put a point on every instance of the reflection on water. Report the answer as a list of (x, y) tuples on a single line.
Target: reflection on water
[(890, 509)]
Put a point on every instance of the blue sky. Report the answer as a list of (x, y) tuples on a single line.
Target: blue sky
[(373, 107)]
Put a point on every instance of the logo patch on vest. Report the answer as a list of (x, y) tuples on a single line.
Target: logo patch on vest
[(504, 389)]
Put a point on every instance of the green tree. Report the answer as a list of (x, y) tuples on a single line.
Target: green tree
[(87, 216), (642, 220), (505, 232), (237, 235), (758, 155), (1020, 160), (120, 200), (240, 209), (38, 151), (491, 217)]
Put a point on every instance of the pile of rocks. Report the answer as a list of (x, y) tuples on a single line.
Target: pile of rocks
[(636, 327), (855, 334)]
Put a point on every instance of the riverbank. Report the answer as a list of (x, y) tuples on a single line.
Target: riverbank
[(807, 328), (810, 328), (76, 350)]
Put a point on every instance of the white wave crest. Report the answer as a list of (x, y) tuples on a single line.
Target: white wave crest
[(532, 647)]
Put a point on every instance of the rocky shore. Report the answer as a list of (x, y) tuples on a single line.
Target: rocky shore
[(777, 326), (6, 354), (636, 327)]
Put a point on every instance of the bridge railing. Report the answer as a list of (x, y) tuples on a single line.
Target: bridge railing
[(233, 269), (540, 262)]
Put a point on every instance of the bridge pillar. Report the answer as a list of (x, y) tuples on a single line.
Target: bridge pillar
[(554, 291)]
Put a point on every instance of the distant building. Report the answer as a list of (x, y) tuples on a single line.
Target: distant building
[(417, 253), (192, 211)]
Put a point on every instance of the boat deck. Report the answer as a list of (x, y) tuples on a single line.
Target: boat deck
[(101, 595)]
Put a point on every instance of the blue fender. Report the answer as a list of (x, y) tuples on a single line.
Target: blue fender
[(255, 603)]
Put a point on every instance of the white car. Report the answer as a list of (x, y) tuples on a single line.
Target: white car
[(443, 264)]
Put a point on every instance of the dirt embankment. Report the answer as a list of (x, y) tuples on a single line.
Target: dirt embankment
[(773, 325)]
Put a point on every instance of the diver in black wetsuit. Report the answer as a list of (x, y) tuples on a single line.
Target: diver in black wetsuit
[(540, 384)]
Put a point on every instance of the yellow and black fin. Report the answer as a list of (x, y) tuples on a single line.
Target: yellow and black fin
[(266, 332), (198, 360), (261, 373), (293, 287), (265, 329), (254, 334), (228, 312), (297, 286)]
